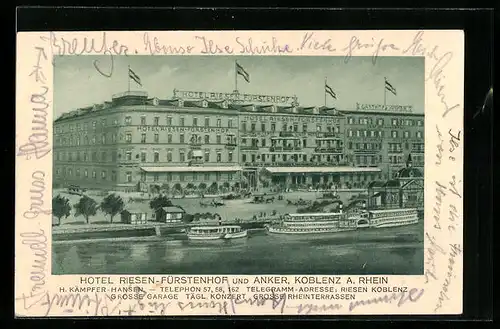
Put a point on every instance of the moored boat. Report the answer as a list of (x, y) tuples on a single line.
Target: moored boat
[(386, 218), (312, 223), (212, 233)]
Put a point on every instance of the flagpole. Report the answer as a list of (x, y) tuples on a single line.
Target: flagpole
[(385, 91), (235, 77), (324, 90), (128, 75)]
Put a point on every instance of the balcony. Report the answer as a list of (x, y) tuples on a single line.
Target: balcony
[(230, 146), (329, 135), (195, 146), (285, 149), (417, 151), (328, 150), (366, 151)]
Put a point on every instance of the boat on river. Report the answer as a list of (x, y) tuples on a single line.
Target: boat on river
[(214, 233), (312, 223), (386, 218)]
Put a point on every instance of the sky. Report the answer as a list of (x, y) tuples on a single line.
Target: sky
[(78, 84)]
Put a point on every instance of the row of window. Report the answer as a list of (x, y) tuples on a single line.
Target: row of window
[(103, 156), (381, 134), (189, 177), (286, 128), (193, 139), (393, 147), (208, 122), (417, 160), (195, 122), (70, 173), (112, 138), (289, 157), (381, 121)]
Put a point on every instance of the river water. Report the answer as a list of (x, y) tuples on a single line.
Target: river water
[(397, 251)]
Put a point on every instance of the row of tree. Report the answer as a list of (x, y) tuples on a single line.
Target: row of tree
[(202, 187), (111, 205)]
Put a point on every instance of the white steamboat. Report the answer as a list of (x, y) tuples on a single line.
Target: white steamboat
[(213, 233), (386, 218), (312, 223)]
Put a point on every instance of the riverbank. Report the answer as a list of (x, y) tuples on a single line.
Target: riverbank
[(127, 231)]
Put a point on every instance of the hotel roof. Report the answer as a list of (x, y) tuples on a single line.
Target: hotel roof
[(141, 99)]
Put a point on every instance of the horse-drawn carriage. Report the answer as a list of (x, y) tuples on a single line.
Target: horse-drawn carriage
[(213, 203)]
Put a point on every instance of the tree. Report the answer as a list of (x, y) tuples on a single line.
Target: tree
[(190, 186), (86, 207), (111, 205), (159, 202), (213, 188), (60, 208)]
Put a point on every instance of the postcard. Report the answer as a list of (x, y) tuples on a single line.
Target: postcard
[(228, 173)]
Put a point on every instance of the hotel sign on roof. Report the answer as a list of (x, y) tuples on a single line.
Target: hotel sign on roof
[(384, 108), (236, 97)]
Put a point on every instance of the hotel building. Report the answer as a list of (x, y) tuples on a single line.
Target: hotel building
[(212, 140), (384, 137), (134, 142)]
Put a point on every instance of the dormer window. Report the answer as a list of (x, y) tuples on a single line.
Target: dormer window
[(181, 103), (316, 110), (274, 109), (294, 109), (224, 104), (156, 101), (204, 103)]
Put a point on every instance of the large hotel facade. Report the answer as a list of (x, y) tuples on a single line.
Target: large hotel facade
[(214, 141)]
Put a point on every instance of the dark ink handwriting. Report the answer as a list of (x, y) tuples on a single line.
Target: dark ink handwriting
[(430, 262), (221, 307), (210, 47), (153, 46), (438, 77), (438, 201), (417, 48), (308, 308), (38, 144), (412, 296), (455, 250), (37, 191), (248, 47), (76, 46), (453, 186), (37, 69), (355, 45), (308, 42), (454, 142), (440, 149), (436, 74), (453, 211), (37, 242), (69, 303)]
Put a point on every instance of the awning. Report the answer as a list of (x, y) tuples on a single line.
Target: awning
[(320, 170), (192, 169)]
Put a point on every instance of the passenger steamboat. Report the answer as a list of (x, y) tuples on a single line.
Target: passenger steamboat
[(312, 223), (213, 233), (386, 218)]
